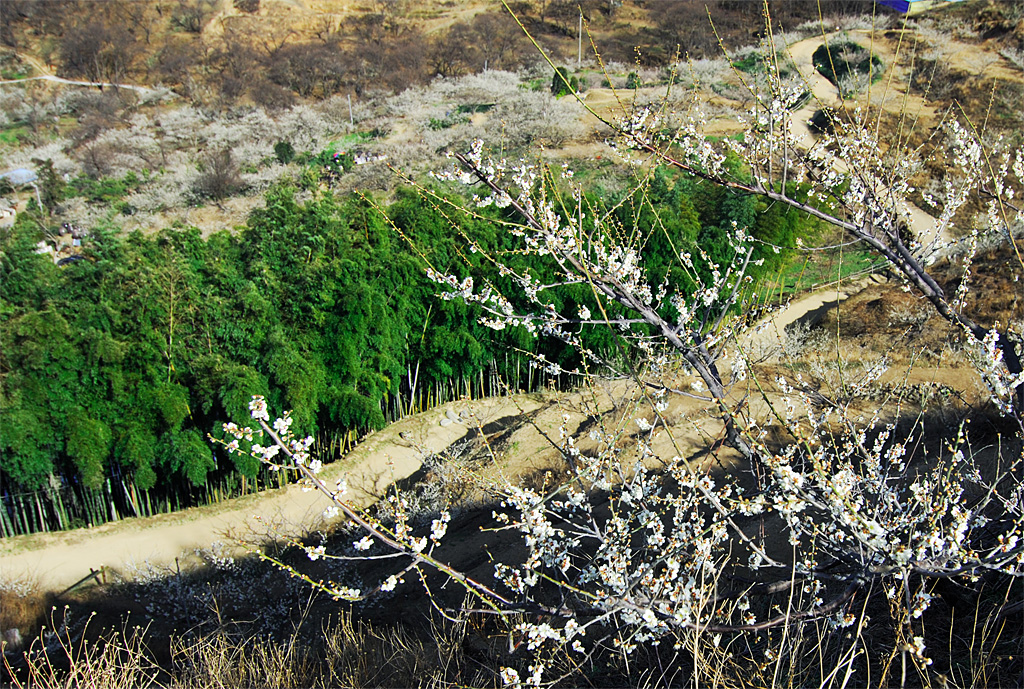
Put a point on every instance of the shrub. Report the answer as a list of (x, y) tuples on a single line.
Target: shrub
[(218, 176), (843, 60), (284, 152), (822, 121), (191, 15), (563, 83)]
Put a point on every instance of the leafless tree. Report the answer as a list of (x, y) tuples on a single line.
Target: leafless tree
[(97, 51), (191, 15), (218, 176), (456, 52)]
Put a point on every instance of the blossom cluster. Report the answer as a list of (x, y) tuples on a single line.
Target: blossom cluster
[(282, 438)]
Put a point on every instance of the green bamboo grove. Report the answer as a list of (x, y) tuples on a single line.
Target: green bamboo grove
[(115, 368)]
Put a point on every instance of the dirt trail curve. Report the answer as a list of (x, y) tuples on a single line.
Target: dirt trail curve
[(769, 335), (46, 74), (144, 90), (55, 561), (825, 94)]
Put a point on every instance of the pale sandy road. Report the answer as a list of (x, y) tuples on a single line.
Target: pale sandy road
[(770, 334), (98, 84), (824, 94), (57, 560)]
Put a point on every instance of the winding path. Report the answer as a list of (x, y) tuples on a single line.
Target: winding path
[(145, 90), (55, 561), (824, 94), (46, 74)]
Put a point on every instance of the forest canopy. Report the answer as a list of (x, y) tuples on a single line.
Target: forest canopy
[(120, 364)]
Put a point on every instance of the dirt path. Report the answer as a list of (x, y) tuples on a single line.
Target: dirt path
[(45, 73), (57, 560), (36, 64), (144, 90), (770, 334), (824, 94)]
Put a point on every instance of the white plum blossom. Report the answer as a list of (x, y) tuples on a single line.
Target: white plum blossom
[(258, 407), (640, 532)]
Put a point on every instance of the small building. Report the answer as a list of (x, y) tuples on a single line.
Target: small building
[(916, 6)]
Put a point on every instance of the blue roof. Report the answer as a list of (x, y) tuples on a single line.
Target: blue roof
[(915, 6), (20, 176)]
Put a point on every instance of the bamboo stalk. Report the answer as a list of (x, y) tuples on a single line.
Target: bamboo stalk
[(5, 526), (129, 498), (43, 525), (54, 498), (90, 516), (110, 498), (21, 513), (65, 515)]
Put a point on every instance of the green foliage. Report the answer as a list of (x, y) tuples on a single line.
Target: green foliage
[(333, 162), (14, 135), (121, 364), (104, 190), (471, 108), (12, 67), (284, 152), (633, 81), (51, 185), (137, 448), (838, 60), (451, 119), (563, 83), (88, 446), (755, 62), (28, 442), (188, 454), (171, 400)]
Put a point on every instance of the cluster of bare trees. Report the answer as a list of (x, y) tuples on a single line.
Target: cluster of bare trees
[(117, 41)]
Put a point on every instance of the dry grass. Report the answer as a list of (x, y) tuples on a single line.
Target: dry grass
[(974, 640), (60, 657), (249, 625), (23, 611)]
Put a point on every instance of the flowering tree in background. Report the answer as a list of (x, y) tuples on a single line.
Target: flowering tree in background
[(636, 545)]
